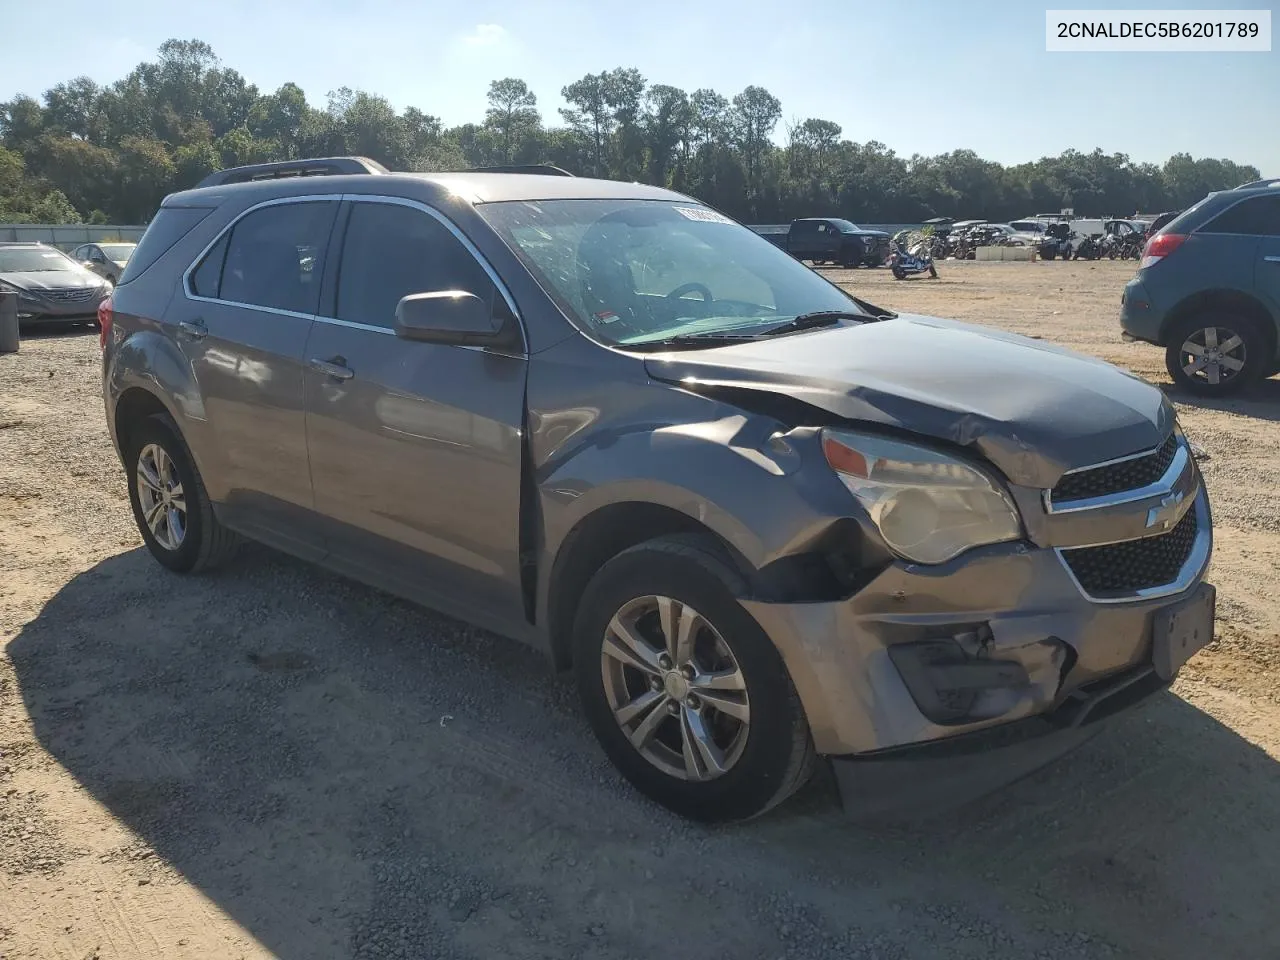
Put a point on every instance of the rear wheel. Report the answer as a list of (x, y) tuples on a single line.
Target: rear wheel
[(170, 504), (933, 272), (1215, 355), (899, 273), (684, 690)]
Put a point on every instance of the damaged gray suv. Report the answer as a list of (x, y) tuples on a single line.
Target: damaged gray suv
[(763, 521)]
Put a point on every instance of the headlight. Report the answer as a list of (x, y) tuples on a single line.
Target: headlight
[(22, 294), (929, 507)]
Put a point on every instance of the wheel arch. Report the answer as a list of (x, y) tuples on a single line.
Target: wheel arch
[(133, 405), (599, 537), (1223, 299)]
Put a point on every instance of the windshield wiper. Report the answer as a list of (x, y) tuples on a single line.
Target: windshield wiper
[(808, 321), (705, 338)]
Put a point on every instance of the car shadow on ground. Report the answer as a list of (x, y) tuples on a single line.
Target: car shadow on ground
[(1259, 400), (344, 775)]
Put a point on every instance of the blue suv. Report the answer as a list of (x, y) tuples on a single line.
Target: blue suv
[(1208, 291)]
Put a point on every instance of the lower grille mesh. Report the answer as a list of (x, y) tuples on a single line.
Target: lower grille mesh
[(1117, 569)]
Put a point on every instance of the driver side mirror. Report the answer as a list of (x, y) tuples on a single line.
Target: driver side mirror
[(447, 316)]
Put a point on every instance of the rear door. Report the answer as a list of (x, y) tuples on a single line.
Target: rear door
[(243, 325), (415, 447)]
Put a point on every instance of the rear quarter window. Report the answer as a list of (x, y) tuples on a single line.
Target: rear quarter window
[(169, 225), (1255, 217)]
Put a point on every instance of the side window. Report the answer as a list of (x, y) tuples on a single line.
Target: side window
[(1257, 216), (274, 256), (391, 251), (206, 277), (822, 228), (79, 253)]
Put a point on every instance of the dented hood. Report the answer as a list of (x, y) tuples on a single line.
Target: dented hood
[(1032, 409)]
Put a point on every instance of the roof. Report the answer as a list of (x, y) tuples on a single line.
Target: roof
[(473, 187)]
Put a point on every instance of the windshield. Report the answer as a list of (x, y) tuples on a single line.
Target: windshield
[(844, 226), (636, 271), (117, 251), (35, 260)]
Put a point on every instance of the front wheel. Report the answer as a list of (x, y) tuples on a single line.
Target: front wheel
[(170, 504), (899, 273), (933, 272), (684, 690), (1216, 355)]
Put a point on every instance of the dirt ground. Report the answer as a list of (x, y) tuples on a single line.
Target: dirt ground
[(271, 761)]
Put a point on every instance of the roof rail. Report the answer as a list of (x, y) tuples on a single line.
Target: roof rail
[(310, 167), (540, 168), (1259, 183)]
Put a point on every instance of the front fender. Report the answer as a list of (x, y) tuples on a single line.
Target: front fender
[(768, 494)]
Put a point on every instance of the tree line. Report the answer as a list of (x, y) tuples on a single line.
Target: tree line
[(109, 154)]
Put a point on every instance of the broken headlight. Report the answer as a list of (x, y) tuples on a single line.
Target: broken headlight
[(929, 507)]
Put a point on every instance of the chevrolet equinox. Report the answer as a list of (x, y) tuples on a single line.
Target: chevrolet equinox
[(762, 520)]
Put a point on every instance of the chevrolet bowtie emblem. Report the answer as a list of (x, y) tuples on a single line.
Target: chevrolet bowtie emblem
[(1164, 515)]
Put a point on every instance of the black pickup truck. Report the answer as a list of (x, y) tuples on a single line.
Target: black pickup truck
[(831, 240)]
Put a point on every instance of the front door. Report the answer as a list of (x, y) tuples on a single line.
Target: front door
[(415, 447), (243, 324), (1267, 268)]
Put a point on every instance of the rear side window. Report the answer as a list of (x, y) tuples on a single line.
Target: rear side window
[(207, 277), (1257, 216), (275, 256), (391, 251), (167, 227)]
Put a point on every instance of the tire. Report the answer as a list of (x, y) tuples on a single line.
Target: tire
[(899, 273), (933, 272), (1047, 255), (764, 760), (203, 542), (1254, 352)]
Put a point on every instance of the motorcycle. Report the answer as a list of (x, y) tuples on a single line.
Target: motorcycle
[(1056, 242), (905, 264), (1131, 246), (1087, 248)]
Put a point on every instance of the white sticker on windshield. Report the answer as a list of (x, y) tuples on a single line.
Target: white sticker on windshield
[(703, 214)]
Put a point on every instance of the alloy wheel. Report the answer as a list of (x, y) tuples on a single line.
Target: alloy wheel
[(160, 494), (1215, 355), (675, 688)]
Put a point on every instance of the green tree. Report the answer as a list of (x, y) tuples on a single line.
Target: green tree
[(512, 114)]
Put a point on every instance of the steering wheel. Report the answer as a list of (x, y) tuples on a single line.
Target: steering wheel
[(694, 287)]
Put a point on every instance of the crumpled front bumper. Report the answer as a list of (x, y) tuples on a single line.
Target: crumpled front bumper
[(1028, 611)]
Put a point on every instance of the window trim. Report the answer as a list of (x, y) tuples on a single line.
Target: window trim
[(499, 284), (277, 201), (340, 198)]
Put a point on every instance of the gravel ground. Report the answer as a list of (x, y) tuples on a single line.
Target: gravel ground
[(271, 761)]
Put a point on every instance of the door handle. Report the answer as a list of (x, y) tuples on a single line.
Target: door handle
[(195, 329), (336, 368)]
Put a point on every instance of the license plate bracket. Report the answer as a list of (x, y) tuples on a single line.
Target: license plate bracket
[(1178, 631)]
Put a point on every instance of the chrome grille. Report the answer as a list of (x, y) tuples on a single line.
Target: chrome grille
[(1123, 569), (1115, 477), (68, 296)]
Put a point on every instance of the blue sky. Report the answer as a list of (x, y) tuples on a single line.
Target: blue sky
[(921, 77)]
